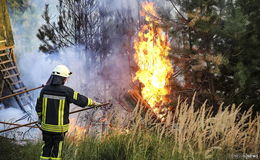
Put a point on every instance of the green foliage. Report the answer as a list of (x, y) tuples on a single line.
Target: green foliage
[(31, 151), (146, 146), (9, 150), (12, 150), (219, 28), (246, 57)]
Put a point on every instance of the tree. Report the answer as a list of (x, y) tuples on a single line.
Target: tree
[(86, 23), (78, 24), (212, 45), (195, 31), (246, 62)]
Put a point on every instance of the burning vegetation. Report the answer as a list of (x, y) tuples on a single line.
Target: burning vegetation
[(154, 67), (197, 129)]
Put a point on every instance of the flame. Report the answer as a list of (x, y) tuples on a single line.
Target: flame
[(75, 131), (151, 55), (103, 119)]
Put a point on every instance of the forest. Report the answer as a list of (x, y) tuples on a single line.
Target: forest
[(183, 75)]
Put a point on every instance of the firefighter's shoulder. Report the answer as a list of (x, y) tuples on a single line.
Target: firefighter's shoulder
[(68, 90)]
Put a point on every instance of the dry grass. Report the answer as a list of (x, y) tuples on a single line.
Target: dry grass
[(199, 133), (187, 134)]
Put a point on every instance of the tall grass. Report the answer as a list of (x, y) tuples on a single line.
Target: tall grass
[(186, 134), (199, 134)]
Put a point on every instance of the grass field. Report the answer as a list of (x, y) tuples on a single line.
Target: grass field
[(188, 134)]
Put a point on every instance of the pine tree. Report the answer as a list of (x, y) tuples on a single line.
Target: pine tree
[(78, 24), (247, 60), (216, 45), (89, 24)]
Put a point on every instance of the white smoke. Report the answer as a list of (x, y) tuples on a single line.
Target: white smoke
[(104, 81), (86, 78), (11, 115), (122, 6), (26, 25)]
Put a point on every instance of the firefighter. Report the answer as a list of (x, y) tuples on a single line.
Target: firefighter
[(52, 108)]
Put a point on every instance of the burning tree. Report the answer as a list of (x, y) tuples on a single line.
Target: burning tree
[(154, 67)]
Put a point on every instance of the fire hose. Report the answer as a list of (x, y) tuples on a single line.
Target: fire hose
[(35, 122)]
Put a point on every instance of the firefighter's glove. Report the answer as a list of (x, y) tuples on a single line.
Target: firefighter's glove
[(96, 104)]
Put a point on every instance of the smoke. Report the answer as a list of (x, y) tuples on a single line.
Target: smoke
[(26, 25), (11, 115), (36, 67), (103, 81), (122, 6), (88, 78)]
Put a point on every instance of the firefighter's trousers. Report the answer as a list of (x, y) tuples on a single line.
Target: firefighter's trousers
[(52, 147)]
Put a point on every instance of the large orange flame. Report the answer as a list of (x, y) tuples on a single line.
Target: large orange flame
[(151, 55)]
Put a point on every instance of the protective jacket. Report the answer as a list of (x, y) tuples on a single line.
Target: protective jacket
[(53, 105)]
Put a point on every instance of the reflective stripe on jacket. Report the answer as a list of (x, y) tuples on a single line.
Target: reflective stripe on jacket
[(53, 107)]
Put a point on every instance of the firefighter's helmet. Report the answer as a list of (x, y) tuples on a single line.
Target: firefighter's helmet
[(61, 70)]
